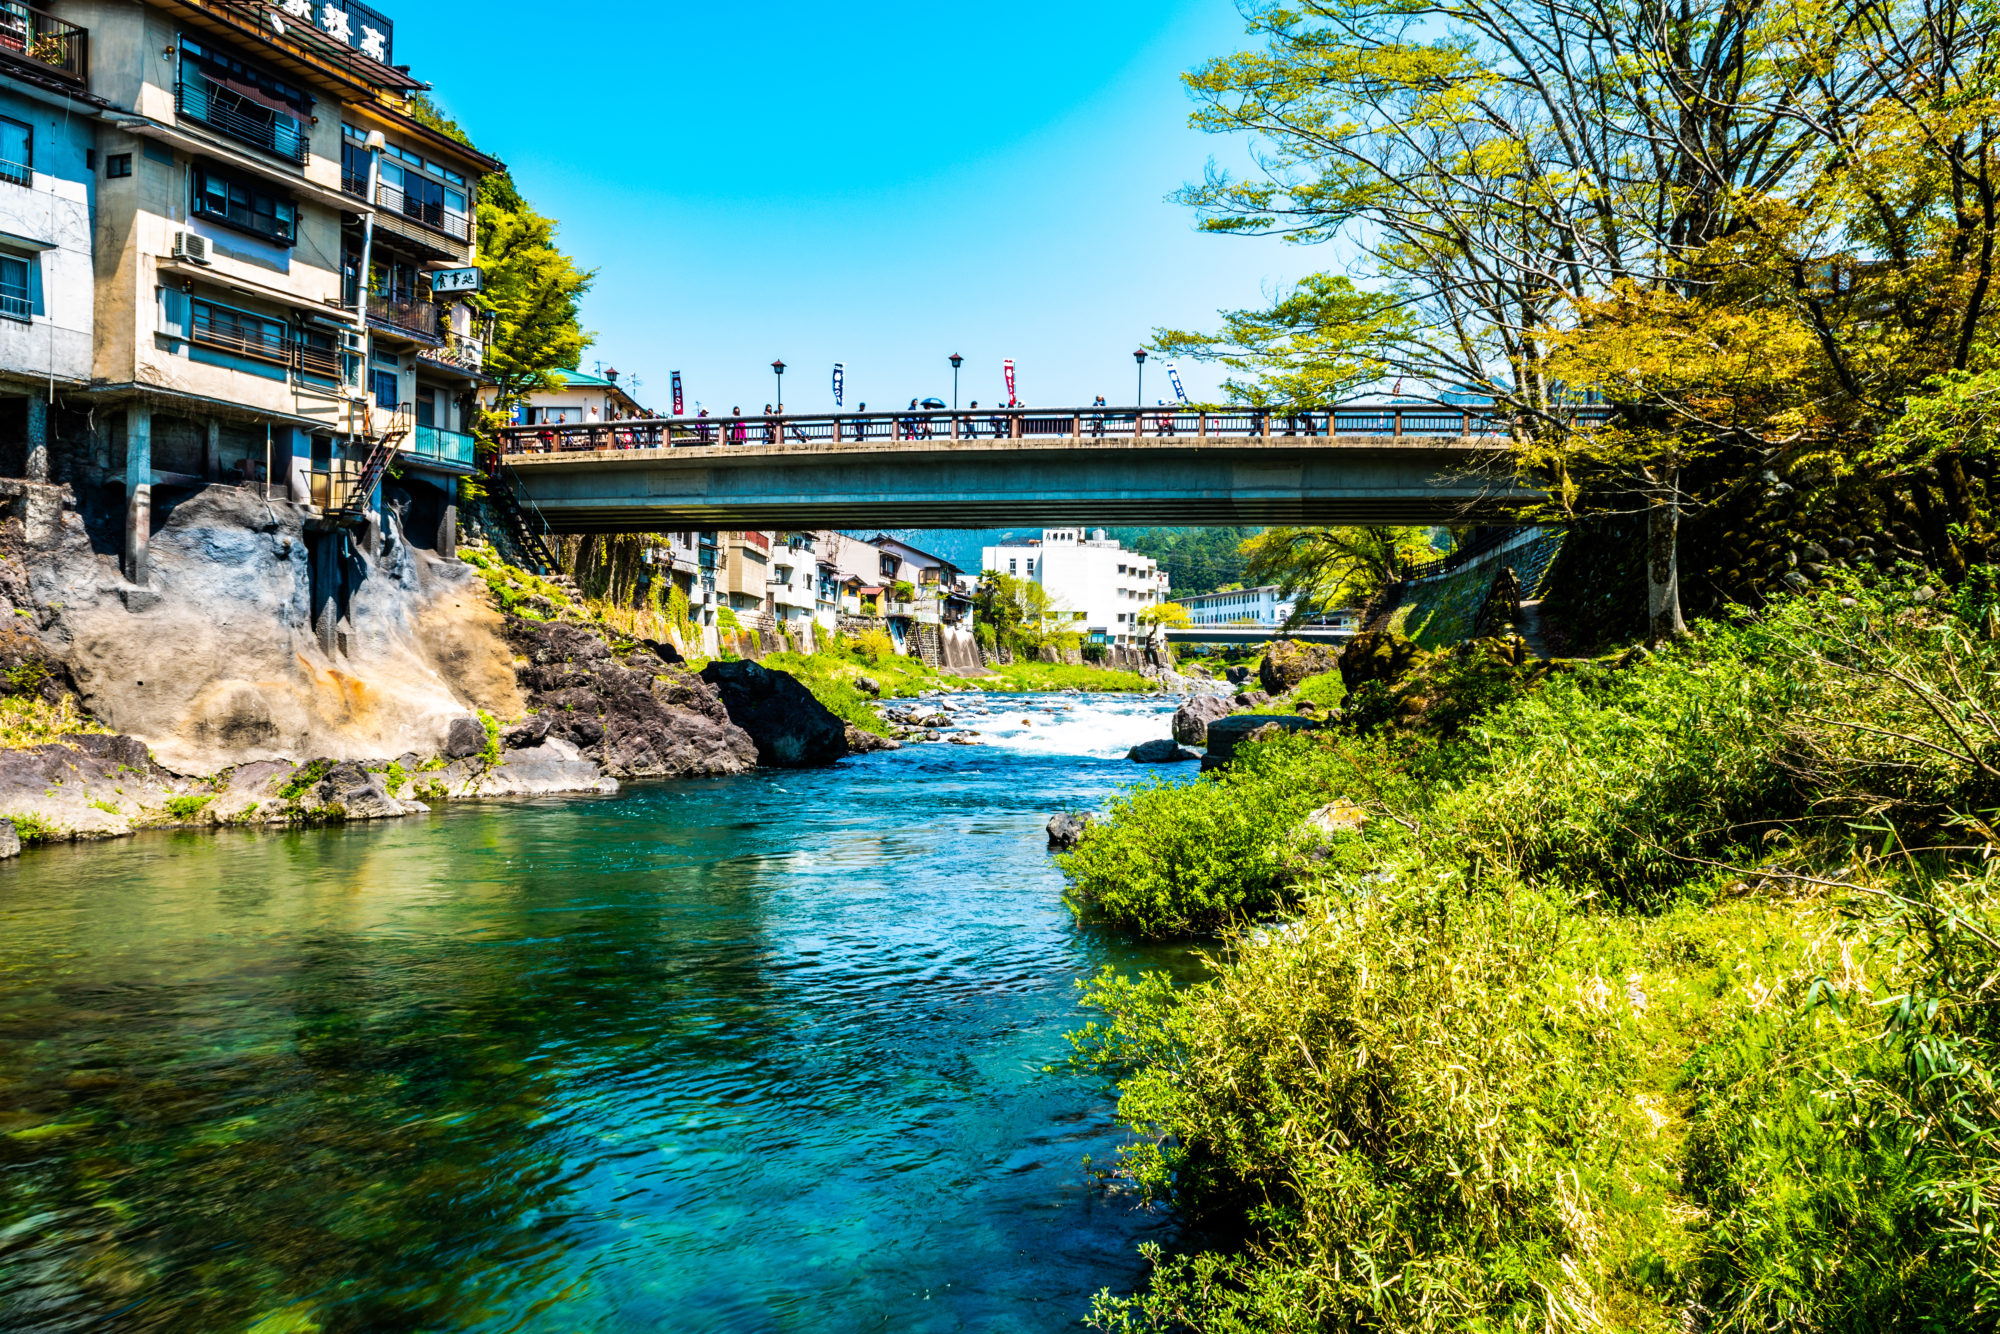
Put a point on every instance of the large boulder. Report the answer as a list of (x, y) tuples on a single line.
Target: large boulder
[(1067, 829), (465, 737), (652, 720), (1378, 655), (1159, 752), (1288, 662), (1226, 734), (1191, 720), (791, 729)]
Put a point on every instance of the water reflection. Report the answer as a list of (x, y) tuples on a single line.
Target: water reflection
[(758, 1054)]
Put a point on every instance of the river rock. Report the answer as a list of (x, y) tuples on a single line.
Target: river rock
[(550, 767), (1191, 720), (1226, 734), (860, 742), (1165, 751), (869, 684), (1252, 699), (528, 732), (1288, 662), (1378, 655), (792, 730), (10, 841), (465, 737), (1067, 829), (1337, 817), (358, 794), (665, 724)]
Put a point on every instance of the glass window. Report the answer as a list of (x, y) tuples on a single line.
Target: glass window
[(243, 205), (17, 302), (384, 388), (118, 164), (17, 152)]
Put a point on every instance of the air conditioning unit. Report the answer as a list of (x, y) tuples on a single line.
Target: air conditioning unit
[(191, 247)]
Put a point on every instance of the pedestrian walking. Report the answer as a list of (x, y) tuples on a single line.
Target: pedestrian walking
[(972, 423), (736, 432), (770, 427)]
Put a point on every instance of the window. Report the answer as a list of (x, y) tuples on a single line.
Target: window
[(244, 206), (383, 386), (427, 407), (17, 300), (118, 164), (242, 101), (17, 152), (239, 331)]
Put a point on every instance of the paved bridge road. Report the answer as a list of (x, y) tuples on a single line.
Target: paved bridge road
[(1019, 467)]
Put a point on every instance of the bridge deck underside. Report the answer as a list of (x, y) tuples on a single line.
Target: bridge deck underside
[(926, 484)]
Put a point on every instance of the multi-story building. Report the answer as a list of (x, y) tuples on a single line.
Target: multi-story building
[(1264, 606), (794, 585), (48, 182), (743, 580), (1095, 583), (276, 248)]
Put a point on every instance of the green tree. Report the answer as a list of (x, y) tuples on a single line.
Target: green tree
[(532, 289), (1172, 615), (1324, 568)]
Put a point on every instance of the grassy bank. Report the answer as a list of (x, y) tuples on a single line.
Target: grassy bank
[(1655, 997)]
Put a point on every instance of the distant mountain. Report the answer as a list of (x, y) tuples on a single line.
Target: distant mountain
[(1197, 560)]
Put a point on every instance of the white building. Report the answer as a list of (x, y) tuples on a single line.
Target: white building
[(1099, 584), (1263, 607)]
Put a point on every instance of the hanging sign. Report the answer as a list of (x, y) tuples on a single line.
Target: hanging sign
[(455, 280), (1008, 367), (839, 381), (1174, 378), (678, 403)]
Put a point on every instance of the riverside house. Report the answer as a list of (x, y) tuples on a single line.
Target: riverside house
[(230, 251)]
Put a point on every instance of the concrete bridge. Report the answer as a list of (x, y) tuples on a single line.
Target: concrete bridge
[(1007, 467)]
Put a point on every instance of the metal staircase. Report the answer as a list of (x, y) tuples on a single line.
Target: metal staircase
[(525, 524), (381, 454)]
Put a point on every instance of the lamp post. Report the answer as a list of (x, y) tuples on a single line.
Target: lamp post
[(956, 362), (1140, 357), (778, 369)]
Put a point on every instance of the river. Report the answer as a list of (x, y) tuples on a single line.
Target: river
[(764, 1053)]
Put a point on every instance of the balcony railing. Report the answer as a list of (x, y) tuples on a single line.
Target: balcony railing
[(27, 33), (434, 216), (435, 442), (20, 173), (401, 311), (200, 98), (460, 352)]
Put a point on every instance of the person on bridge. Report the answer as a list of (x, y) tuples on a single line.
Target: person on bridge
[(1097, 419), (972, 423), (736, 432), (770, 427)]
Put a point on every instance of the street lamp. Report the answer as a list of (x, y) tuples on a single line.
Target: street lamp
[(778, 369), (1140, 357), (956, 362)]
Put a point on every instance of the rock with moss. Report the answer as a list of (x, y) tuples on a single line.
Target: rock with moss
[(1191, 720), (632, 713), (1289, 661), (791, 729), (1378, 655)]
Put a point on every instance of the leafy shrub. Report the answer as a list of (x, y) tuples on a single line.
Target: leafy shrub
[(35, 829), (304, 779), (489, 755), (874, 645), (188, 806)]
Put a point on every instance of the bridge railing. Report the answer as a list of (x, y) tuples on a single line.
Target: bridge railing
[(1083, 425)]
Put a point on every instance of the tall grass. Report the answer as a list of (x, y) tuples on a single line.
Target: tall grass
[(1659, 997)]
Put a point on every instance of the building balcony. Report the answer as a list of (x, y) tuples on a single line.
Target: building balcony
[(441, 446), (43, 39), (460, 352), (437, 217), (199, 98), (403, 312)]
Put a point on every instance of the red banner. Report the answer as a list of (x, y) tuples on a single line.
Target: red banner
[(1008, 366), (677, 394)]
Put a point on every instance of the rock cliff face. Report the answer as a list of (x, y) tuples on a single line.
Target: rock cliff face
[(638, 716), (216, 662), (791, 728)]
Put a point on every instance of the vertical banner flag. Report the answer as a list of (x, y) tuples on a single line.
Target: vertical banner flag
[(1008, 367), (1174, 378), (839, 381), (679, 403)]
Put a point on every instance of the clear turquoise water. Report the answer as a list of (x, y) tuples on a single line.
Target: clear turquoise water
[(752, 1054)]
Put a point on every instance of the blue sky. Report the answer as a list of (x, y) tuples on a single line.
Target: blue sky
[(882, 185)]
